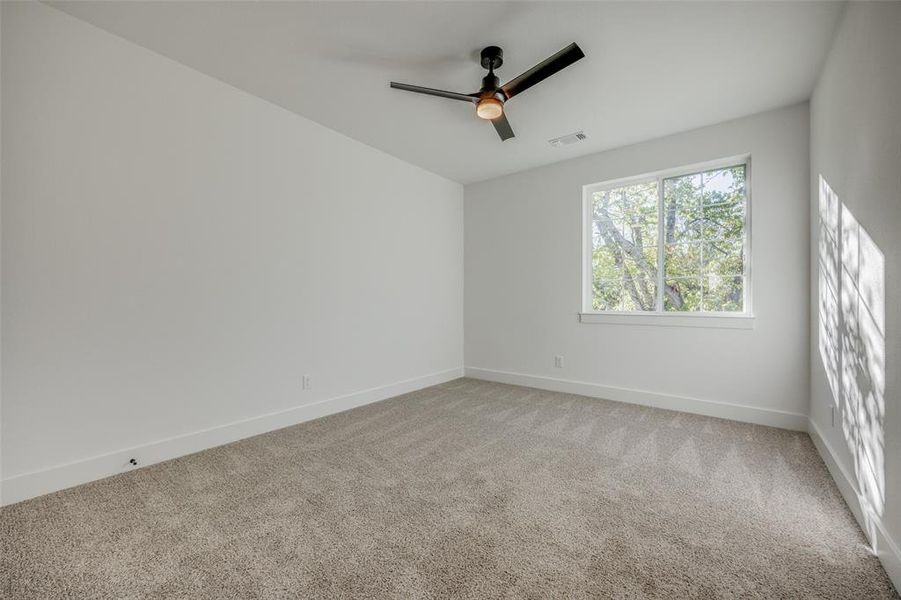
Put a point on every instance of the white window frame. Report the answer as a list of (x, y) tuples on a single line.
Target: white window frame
[(729, 320)]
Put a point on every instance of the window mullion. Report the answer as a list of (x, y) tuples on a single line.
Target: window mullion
[(660, 248), (702, 267)]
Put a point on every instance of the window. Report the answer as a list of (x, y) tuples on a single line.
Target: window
[(669, 244)]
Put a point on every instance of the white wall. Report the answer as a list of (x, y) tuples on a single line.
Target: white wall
[(1, 257), (523, 283), (177, 253), (856, 148)]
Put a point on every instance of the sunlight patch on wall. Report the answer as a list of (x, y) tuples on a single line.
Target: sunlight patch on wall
[(863, 356), (852, 338)]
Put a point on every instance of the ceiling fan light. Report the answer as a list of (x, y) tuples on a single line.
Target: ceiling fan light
[(489, 108)]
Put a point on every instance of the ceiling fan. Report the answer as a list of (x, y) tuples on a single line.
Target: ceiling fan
[(490, 99)]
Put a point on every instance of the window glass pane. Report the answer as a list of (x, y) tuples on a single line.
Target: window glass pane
[(724, 220), (704, 241), (683, 260), (722, 293), (607, 294), (682, 209), (624, 248), (724, 185), (682, 294), (722, 256)]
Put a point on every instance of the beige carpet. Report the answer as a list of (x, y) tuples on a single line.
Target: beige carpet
[(467, 489)]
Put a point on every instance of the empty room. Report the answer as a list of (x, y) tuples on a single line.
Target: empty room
[(444, 299)]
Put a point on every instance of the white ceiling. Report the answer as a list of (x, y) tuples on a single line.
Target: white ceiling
[(651, 69)]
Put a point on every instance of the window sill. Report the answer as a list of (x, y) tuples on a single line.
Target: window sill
[(715, 321)]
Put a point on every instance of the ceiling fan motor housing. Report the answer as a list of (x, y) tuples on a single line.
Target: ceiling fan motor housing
[(491, 87), (492, 58)]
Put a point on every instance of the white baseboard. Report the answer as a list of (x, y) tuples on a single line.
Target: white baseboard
[(37, 483), (734, 412), (873, 527)]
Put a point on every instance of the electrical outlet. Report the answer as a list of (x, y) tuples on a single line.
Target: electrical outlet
[(558, 362), (306, 382)]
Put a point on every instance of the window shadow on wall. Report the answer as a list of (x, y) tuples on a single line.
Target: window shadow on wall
[(852, 342)]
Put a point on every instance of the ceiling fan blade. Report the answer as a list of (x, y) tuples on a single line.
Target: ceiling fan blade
[(433, 92), (543, 70), (502, 126)]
